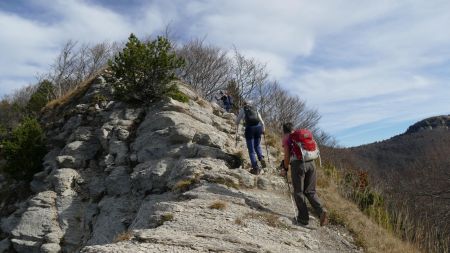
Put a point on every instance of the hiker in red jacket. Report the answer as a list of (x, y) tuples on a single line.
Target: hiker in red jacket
[(303, 174)]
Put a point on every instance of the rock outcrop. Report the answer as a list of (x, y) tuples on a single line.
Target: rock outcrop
[(441, 122), (164, 178)]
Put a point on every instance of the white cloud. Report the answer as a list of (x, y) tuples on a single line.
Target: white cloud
[(29, 46), (88, 22), (328, 86), (357, 62)]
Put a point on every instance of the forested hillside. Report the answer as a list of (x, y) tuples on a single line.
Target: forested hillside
[(413, 172)]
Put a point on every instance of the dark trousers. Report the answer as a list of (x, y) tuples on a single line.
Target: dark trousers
[(253, 140), (304, 181), (227, 107)]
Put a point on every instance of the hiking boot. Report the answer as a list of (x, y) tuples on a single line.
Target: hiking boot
[(255, 171), (301, 222), (263, 163), (323, 218)]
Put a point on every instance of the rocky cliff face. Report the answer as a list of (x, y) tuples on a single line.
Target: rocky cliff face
[(164, 178), (439, 122)]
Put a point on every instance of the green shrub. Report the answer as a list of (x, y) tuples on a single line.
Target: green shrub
[(176, 94), (99, 99), (40, 98), (144, 70), (11, 113), (24, 150), (3, 132), (165, 217)]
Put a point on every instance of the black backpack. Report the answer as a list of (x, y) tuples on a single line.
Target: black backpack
[(251, 115)]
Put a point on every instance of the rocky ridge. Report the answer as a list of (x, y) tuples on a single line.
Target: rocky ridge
[(164, 178), (442, 122)]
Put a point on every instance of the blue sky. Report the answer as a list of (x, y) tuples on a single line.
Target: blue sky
[(371, 68)]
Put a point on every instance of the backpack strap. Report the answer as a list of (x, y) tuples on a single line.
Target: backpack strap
[(291, 148)]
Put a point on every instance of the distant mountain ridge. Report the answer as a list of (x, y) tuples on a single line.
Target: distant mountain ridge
[(442, 121), (413, 170)]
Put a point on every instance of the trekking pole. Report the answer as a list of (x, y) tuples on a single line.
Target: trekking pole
[(267, 150), (236, 139), (292, 198)]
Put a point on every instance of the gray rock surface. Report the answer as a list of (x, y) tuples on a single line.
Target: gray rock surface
[(5, 244), (442, 122), (166, 178), (50, 248)]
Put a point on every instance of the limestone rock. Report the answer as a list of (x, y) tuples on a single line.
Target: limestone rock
[(50, 248), (54, 237), (67, 161), (70, 210), (96, 187), (5, 244), (263, 183), (167, 177), (26, 246), (82, 151), (122, 134), (118, 182), (29, 228), (119, 149), (81, 134), (109, 222), (63, 179), (150, 175), (39, 182)]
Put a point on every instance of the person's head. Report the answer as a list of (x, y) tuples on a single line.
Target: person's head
[(287, 128)]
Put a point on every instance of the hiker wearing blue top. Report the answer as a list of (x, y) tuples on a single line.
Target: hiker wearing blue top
[(226, 100), (254, 128)]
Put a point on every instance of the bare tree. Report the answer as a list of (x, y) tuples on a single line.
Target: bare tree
[(206, 67), (21, 96), (325, 139), (98, 56), (278, 106), (63, 69), (13, 106), (248, 74), (76, 63)]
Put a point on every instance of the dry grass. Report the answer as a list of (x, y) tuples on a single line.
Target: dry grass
[(367, 234), (269, 219), (78, 92), (203, 103), (217, 112), (223, 181), (271, 140), (164, 218), (323, 182), (124, 236), (185, 184), (219, 205)]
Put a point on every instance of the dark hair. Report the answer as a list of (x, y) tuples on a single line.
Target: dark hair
[(287, 127)]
